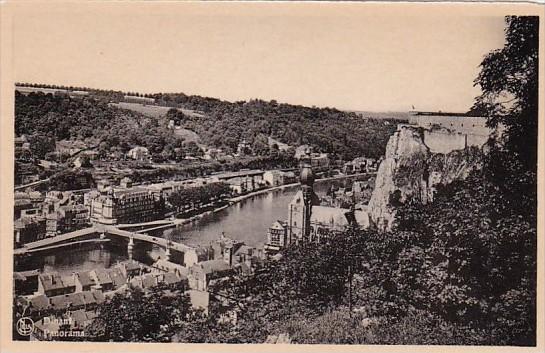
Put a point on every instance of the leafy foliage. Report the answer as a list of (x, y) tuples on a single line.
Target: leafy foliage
[(509, 81), (198, 196), (59, 117), (225, 124), (139, 317)]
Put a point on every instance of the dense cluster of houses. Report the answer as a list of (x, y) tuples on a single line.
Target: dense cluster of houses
[(53, 300), (38, 215)]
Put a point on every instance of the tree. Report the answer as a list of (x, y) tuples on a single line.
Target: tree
[(139, 317), (509, 82), (40, 145)]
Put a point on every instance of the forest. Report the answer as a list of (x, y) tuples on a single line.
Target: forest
[(327, 130), (47, 118)]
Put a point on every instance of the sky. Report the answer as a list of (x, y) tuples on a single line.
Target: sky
[(351, 56)]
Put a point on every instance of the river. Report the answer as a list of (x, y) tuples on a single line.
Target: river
[(247, 220)]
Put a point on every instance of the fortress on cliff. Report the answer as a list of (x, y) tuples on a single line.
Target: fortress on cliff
[(446, 132), (431, 149)]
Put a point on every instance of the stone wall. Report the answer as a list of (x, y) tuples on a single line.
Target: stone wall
[(463, 124), (443, 141), (449, 133)]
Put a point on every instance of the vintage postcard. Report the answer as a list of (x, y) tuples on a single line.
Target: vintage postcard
[(271, 176)]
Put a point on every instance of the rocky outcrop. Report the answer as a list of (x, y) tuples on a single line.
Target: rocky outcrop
[(410, 171)]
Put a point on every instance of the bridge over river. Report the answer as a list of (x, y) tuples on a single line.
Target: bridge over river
[(105, 233)]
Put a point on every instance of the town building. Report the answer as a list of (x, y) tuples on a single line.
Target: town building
[(73, 217), (280, 145), (27, 177), (139, 153), (207, 273), (134, 205), (318, 161), (277, 236), (36, 303), (163, 265), (360, 165), (22, 149), (242, 185), (25, 282), (235, 252), (126, 183), (278, 177), (119, 279), (21, 202), (144, 282), (48, 165), (244, 148), (197, 254), (36, 198), (102, 279), (167, 188), (83, 281), (70, 147), (29, 229), (63, 214), (54, 284), (75, 301), (213, 153), (129, 268), (172, 281), (103, 185)]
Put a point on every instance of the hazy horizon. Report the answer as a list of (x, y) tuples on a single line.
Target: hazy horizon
[(345, 56)]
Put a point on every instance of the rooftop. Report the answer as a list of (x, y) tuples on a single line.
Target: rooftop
[(103, 276), (213, 266), (329, 215), (85, 278), (39, 302), (55, 281), (170, 278)]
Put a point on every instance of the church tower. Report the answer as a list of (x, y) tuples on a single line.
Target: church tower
[(300, 208), (307, 187)]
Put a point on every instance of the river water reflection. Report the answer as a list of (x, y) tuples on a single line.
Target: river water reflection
[(247, 220)]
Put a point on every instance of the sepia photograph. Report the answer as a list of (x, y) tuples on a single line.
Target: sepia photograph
[(271, 173)]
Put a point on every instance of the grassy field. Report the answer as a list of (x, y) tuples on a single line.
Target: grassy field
[(154, 111), (159, 112), (188, 135)]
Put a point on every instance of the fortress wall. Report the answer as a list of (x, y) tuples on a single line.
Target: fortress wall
[(477, 140), (444, 142), (462, 124), (444, 134)]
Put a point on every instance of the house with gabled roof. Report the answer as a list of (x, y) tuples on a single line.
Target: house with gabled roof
[(102, 279), (117, 277), (55, 284), (205, 273), (83, 281)]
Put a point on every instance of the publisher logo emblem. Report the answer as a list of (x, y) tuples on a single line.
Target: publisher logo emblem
[(25, 326)]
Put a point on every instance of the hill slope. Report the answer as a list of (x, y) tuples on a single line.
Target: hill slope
[(217, 124)]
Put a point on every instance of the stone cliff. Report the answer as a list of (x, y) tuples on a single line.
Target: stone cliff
[(410, 171)]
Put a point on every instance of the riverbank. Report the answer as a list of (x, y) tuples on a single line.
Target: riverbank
[(281, 187), (240, 198)]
